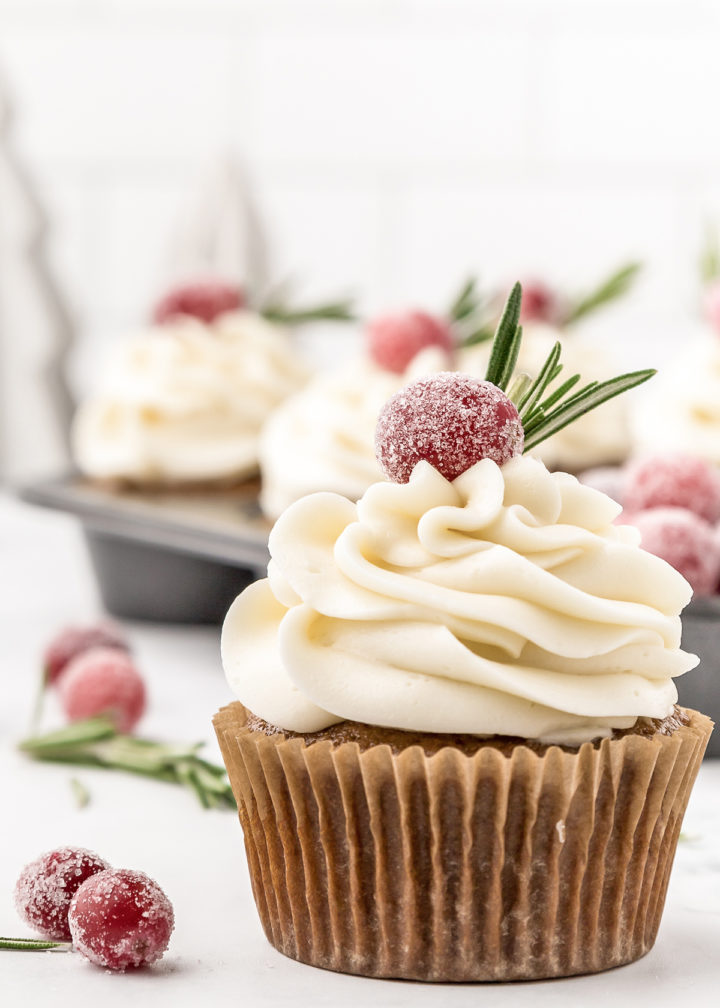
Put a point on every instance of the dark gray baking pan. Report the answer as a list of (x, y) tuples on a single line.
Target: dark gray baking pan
[(700, 689), (168, 557)]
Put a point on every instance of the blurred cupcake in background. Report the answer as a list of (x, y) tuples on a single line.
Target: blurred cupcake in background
[(182, 403), (601, 437), (681, 412), (322, 438)]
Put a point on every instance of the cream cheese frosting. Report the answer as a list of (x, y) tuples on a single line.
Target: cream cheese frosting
[(323, 437), (186, 401), (506, 602), (600, 437), (680, 409)]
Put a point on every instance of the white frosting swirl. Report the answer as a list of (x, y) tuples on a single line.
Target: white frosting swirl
[(186, 401), (598, 438), (323, 437), (679, 411), (505, 602)]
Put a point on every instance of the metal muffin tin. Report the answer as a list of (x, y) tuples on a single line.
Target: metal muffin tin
[(700, 689), (178, 557)]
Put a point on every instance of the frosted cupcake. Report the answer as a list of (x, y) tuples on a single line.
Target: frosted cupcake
[(456, 750), (183, 403), (681, 412)]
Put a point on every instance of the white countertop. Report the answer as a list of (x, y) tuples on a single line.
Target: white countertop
[(218, 953)]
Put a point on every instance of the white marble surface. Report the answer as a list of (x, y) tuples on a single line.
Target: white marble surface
[(218, 952)]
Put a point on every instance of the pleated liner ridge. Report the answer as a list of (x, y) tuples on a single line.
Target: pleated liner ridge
[(453, 867)]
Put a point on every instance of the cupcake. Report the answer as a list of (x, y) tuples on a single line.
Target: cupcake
[(681, 411), (182, 403), (456, 749)]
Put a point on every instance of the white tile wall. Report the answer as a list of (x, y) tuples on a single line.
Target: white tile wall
[(395, 145)]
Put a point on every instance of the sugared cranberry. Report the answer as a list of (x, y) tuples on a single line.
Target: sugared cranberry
[(73, 640), (394, 340), (204, 301), (121, 918), (46, 886), (685, 541), (711, 302), (450, 420), (539, 303), (103, 681), (674, 481)]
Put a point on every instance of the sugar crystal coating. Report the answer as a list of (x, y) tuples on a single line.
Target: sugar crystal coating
[(394, 340), (121, 919), (685, 541), (103, 681), (674, 481), (450, 420), (205, 301), (47, 885), (71, 641)]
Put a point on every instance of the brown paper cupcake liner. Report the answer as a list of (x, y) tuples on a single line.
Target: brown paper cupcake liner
[(456, 867)]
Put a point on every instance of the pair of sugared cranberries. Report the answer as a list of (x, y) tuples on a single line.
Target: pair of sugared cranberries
[(94, 674), (674, 501), (117, 918), (204, 300)]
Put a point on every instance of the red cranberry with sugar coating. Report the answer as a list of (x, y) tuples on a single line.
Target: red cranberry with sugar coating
[(204, 300), (450, 420), (103, 681), (74, 640), (539, 303), (686, 542), (394, 340), (47, 885), (121, 919), (674, 481)]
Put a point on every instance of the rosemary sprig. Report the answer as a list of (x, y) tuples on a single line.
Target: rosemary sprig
[(617, 284), (338, 311), (506, 342), (33, 945), (544, 411), (547, 373), (519, 386), (589, 399), (470, 315), (96, 743), (466, 302)]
